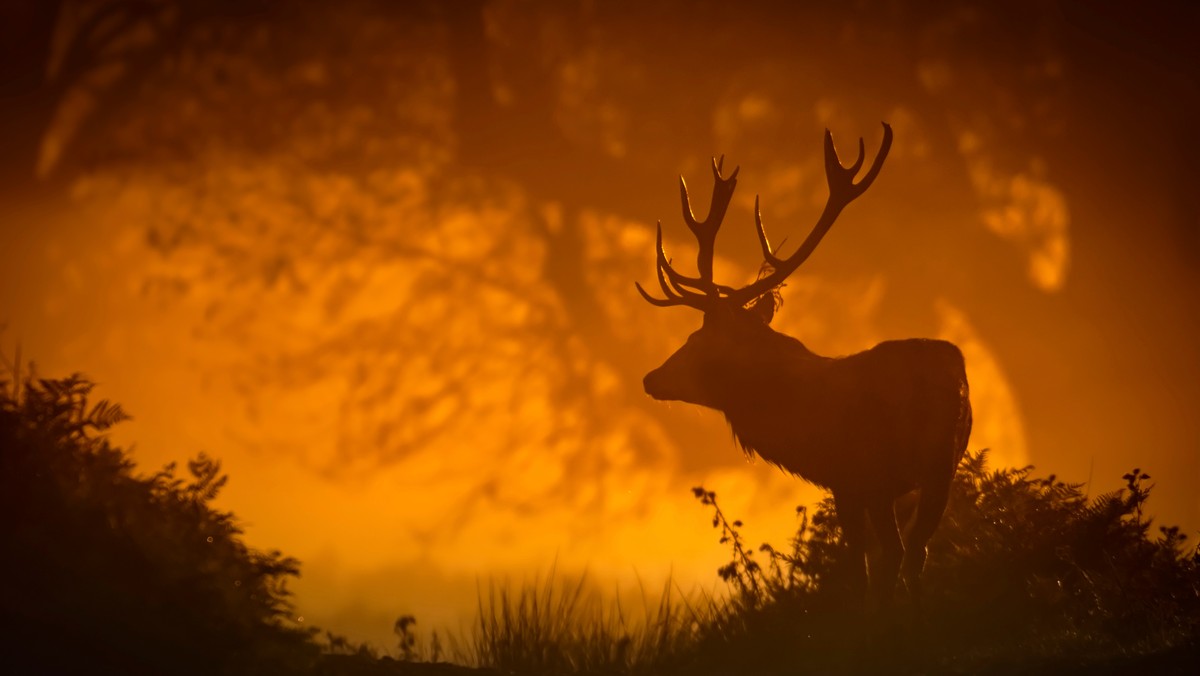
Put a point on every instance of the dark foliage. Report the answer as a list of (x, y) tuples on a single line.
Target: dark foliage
[(1043, 562), (108, 572), (1025, 575)]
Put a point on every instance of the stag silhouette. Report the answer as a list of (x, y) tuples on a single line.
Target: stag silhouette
[(870, 427)]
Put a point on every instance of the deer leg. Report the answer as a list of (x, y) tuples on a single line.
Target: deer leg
[(930, 508), (851, 516), (886, 572)]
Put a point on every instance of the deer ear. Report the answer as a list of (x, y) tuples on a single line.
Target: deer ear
[(763, 307)]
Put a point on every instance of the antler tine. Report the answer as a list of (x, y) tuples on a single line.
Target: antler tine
[(720, 199), (884, 147), (678, 279), (672, 282), (706, 231), (717, 164), (660, 302), (672, 298), (842, 191), (768, 254), (862, 153)]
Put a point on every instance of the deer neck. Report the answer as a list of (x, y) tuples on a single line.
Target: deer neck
[(771, 403)]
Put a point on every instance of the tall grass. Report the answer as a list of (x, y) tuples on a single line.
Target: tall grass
[(557, 625)]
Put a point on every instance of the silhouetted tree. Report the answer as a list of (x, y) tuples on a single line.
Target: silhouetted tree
[(70, 70)]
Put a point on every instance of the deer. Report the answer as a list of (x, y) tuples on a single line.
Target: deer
[(871, 427)]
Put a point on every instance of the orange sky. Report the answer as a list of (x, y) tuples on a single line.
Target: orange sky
[(399, 306)]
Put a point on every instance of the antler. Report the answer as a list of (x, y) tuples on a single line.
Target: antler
[(701, 292), (698, 292), (842, 191)]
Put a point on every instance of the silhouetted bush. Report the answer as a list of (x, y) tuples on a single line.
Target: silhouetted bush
[(1024, 574), (1039, 559), (107, 572)]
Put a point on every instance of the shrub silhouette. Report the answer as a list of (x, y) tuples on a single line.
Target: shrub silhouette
[(105, 571), (1025, 572), (1042, 559)]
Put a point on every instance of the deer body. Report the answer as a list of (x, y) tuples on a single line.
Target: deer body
[(871, 427), (876, 422)]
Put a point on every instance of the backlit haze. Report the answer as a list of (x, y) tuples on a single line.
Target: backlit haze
[(378, 258)]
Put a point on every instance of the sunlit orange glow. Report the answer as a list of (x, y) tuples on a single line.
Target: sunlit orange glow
[(422, 373), (499, 479)]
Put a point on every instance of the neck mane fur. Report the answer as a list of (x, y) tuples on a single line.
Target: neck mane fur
[(767, 416)]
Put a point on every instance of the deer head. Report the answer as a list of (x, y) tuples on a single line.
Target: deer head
[(735, 346)]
